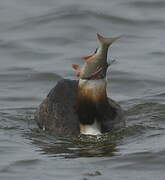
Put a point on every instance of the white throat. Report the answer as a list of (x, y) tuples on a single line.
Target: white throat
[(93, 129)]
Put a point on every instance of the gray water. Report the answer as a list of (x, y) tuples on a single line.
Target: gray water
[(39, 40)]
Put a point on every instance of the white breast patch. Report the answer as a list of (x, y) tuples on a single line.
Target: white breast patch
[(93, 129)]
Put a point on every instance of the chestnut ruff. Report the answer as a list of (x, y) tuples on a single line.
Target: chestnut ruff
[(92, 105)]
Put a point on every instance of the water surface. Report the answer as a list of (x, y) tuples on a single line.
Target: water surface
[(39, 40)]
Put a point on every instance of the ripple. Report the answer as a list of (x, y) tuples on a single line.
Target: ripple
[(19, 69), (148, 114), (18, 98), (77, 13), (10, 45), (30, 76), (44, 76), (51, 40), (33, 55), (158, 53), (26, 162), (147, 4), (69, 147)]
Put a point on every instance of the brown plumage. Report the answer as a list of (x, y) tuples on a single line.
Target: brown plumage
[(58, 111)]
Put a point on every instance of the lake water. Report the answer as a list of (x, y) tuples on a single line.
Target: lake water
[(39, 40)]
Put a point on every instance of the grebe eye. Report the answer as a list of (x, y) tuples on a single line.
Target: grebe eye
[(96, 50)]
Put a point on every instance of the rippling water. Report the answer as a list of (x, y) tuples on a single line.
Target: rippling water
[(39, 40)]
